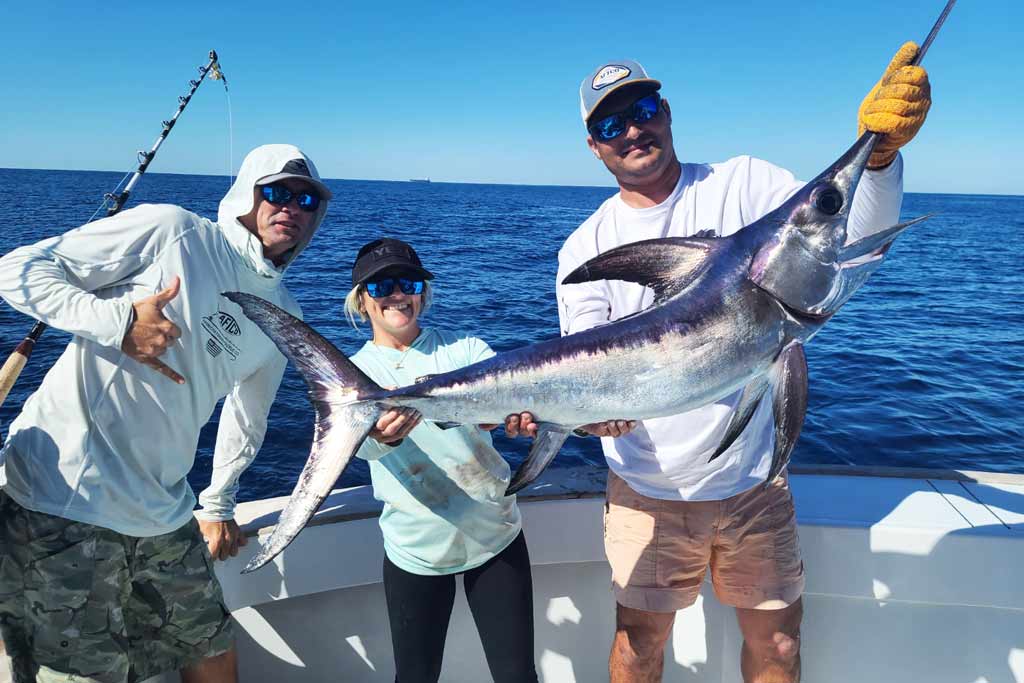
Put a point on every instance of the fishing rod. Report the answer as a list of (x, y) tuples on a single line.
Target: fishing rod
[(19, 357)]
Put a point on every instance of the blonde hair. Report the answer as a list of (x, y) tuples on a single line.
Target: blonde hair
[(354, 305)]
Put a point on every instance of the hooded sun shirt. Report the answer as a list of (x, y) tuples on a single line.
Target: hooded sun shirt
[(107, 440)]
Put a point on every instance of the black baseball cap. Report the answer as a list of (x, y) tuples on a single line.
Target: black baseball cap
[(384, 254)]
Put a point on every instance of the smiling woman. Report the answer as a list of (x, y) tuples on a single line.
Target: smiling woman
[(399, 283), (445, 509)]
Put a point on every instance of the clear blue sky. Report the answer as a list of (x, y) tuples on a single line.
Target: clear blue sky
[(473, 93)]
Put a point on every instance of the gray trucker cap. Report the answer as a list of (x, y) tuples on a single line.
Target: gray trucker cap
[(299, 169), (606, 79)]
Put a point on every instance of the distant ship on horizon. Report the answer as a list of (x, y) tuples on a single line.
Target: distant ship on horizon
[(419, 180)]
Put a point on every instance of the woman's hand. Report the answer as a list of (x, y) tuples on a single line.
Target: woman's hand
[(394, 425), (517, 424)]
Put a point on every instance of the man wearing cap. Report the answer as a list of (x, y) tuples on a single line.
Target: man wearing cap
[(105, 574), (670, 512)]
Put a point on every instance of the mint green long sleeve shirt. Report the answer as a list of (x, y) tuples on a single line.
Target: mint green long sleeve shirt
[(445, 508)]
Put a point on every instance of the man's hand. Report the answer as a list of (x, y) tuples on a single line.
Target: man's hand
[(610, 428), (518, 424), (151, 334), (896, 106), (222, 538), (394, 425)]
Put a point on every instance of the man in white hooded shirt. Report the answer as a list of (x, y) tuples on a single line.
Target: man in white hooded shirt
[(671, 512), (105, 575)]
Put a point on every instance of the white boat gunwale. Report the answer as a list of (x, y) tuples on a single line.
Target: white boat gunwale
[(259, 516)]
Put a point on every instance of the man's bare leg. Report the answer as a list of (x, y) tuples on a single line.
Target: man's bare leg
[(638, 651), (222, 668), (771, 644)]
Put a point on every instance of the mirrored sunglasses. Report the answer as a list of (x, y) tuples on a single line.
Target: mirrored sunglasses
[(384, 287), (279, 195), (614, 125)]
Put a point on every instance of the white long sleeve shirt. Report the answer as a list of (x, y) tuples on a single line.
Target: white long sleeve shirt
[(106, 440), (667, 457)]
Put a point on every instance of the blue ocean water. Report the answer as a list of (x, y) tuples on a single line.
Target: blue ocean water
[(923, 368)]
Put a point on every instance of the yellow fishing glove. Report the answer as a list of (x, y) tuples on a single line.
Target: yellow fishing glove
[(896, 106)]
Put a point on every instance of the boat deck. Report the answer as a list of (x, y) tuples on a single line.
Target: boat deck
[(908, 578)]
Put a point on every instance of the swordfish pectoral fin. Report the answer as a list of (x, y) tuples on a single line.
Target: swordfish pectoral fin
[(749, 401), (546, 445), (343, 420), (789, 404), (667, 265)]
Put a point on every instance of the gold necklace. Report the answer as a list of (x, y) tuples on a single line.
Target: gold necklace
[(401, 359), (398, 363)]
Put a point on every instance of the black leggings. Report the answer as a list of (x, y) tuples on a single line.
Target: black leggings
[(500, 596)]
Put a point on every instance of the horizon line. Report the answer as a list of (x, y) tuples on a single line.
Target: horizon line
[(438, 182)]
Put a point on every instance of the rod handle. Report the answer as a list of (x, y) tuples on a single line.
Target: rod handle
[(13, 366)]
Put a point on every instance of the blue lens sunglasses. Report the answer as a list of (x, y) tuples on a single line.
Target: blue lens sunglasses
[(382, 288), (279, 195), (614, 125)]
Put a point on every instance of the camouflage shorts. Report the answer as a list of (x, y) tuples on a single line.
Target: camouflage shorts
[(87, 601)]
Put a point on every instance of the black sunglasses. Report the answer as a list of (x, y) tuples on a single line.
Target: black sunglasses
[(614, 125), (385, 286), (279, 195)]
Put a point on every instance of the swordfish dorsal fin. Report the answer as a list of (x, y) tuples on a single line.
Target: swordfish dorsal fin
[(666, 265)]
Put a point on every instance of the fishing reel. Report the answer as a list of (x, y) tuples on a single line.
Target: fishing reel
[(215, 72)]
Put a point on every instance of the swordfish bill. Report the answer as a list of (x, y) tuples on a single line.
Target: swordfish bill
[(729, 320)]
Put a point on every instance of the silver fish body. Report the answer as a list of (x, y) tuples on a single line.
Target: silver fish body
[(652, 365)]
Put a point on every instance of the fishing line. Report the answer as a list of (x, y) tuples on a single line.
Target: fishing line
[(218, 75), (231, 141)]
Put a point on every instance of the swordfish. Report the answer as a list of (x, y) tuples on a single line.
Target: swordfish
[(730, 315)]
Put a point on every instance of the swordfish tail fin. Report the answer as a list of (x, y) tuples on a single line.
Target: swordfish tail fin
[(342, 419)]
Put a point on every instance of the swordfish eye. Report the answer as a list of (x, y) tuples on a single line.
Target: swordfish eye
[(828, 200)]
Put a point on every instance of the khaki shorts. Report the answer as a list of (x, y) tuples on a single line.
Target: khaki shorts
[(82, 603), (659, 550)]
